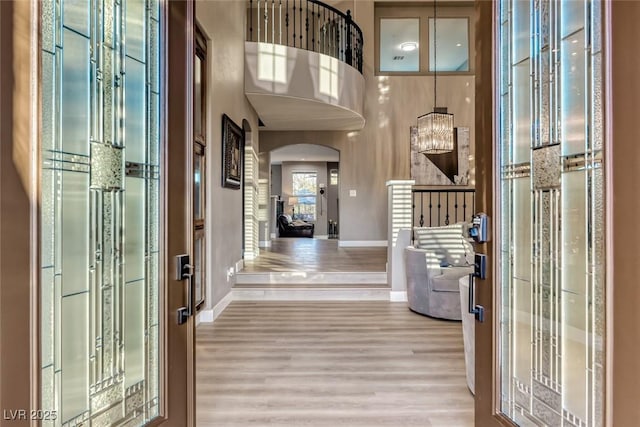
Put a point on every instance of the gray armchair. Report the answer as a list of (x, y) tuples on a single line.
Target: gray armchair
[(431, 289), (443, 255)]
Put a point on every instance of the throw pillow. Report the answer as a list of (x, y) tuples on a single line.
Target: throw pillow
[(446, 242)]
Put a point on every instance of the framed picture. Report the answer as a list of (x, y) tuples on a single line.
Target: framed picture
[(232, 148)]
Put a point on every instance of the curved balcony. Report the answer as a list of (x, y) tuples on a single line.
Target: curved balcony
[(303, 67)]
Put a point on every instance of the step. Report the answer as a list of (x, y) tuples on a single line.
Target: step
[(312, 277), (294, 292)]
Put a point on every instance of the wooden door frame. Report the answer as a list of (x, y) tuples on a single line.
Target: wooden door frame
[(19, 210), (20, 83), (622, 113), (178, 204)]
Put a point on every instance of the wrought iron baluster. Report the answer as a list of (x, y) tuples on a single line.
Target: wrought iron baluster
[(349, 53), (430, 210), (258, 18), (446, 217), (273, 21), (251, 20), (300, 20), (280, 20), (313, 27), (306, 26), (294, 23), (421, 209), (286, 21)]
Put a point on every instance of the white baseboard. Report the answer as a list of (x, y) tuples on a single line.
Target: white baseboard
[(398, 296), (209, 316), (321, 236), (239, 265), (361, 243), (264, 243)]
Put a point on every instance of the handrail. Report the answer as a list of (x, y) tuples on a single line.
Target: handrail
[(314, 26)]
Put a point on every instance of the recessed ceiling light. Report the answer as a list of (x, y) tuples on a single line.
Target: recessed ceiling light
[(459, 45), (409, 46)]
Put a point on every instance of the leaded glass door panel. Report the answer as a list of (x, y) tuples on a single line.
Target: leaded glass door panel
[(551, 212), (104, 272)]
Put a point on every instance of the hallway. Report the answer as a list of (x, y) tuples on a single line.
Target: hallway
[(330, 364)]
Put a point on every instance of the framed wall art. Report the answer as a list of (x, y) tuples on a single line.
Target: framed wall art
[(232, 150)]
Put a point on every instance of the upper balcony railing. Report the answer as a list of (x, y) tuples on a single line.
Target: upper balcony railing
[(306, 24)]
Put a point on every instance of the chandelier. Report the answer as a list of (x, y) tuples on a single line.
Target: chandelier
[(435, 129)]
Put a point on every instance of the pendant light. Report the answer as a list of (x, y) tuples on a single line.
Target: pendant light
[(435, 129)]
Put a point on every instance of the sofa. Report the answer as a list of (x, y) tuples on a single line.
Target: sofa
[(288, 227), (433, 266)]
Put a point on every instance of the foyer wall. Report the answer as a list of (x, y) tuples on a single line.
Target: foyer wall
[(223, 23), (380, 151)]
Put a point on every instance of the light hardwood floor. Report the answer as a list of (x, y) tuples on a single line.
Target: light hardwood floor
[(303, 254), (351, 364)]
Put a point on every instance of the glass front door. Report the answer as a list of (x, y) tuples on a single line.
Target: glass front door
[(101, 233), (551, 211)]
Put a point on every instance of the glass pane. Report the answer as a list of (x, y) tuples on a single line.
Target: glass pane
[(75, 356), (197, 96), (76, 15), (399, 44), (572, 13), (134, 112), (574, 96), (75, 94), (75, 229), (134, 327), (198, 186), (521, 30), (135, 28), (449, 49), (134, 229), (521, 113)]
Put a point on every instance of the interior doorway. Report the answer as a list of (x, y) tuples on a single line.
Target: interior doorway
[(304, 184)]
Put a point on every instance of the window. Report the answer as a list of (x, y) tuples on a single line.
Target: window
[(333, 174), (406, 43), (304, 189), (399, 44), (451, 43)]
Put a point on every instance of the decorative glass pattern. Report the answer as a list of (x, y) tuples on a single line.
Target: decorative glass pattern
[(100, 110), (552, 313)]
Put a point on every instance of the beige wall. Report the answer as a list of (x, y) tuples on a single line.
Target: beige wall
[(223, 23), (380, 151)]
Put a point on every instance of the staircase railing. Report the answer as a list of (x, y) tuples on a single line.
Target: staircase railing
[(306, 24)]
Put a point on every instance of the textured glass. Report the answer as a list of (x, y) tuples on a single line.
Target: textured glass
[(134, 229), (50, 181), (134, 40), (521, 113), (75, 15), (544, 98), (154, 129), (574, 370), (572, 15), (153, 56), (522, 332), (75, 94), (106, 167), (48, 29), (134, 310), (399, 45), (48, 99), (546, 167), (574, 238), (451, 41), (521, 21), (596, 139), (75, 356), (134, 112), (48, 395), (75, 229), (574, 94)]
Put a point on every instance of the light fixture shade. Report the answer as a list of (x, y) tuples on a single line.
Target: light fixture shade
[(435, 133)]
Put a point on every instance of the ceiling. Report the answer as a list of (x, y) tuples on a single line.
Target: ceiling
[(304, 153), (452, 48)]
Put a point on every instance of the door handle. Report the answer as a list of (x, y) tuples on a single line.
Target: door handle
[(184, 271), (476, 310)]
